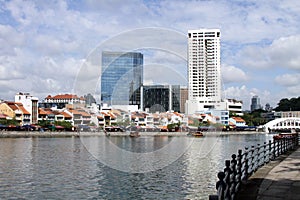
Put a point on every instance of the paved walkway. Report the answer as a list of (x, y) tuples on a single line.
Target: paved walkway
[(280, 179)]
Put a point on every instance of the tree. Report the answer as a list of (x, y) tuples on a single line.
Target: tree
[(285, 104), (65, 124), (254, 118), (12, 121)]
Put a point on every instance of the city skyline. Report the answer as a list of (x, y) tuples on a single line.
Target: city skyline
[(44, 44)]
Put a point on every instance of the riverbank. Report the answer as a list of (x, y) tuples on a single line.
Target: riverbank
[(24, 134)]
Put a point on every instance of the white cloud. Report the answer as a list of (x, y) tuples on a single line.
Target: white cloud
[(288, 79), (245, 94), (48, 41), (291, 83), (282, 53), (232, 74)]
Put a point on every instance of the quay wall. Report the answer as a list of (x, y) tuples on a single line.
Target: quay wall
[(24, 134)]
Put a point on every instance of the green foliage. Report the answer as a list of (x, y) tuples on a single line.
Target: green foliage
[(285, 104), (12, 121), (65, 124), (124, 122), (173, 126), (195, 122), (44, 123), (254, 118)]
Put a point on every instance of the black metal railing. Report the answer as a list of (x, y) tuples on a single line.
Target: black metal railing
[(243, 164)]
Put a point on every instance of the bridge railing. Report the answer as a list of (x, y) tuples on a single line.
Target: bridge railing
[(243, 164)]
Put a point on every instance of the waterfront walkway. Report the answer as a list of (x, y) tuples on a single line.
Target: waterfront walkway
[(280, 179)]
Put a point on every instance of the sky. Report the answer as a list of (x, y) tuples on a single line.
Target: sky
[(45, 46)]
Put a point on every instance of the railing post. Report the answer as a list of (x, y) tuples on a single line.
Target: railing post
[(256, 157), (252, 161), (278, 147), (221, 185), (233, 176), (239, 168), (227, 172), (281, 147), (265, 154), (246, 164), (271, 153)]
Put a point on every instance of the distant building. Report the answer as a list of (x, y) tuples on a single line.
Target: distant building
[(15, 111), (62, 100), (161, 98), (232, 105), (255, 103), (204, 73), (184, 94), (268, 107), (122, 78), (237, 121), (220, 116), (30, 103)]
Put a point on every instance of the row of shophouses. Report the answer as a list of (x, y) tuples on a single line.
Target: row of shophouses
[(68, 107)]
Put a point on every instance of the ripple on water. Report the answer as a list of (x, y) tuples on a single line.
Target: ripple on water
[(61, 168)]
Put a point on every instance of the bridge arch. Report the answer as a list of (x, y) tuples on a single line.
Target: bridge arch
[(283, 124)]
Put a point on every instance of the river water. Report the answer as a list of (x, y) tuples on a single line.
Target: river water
[(98, 168)]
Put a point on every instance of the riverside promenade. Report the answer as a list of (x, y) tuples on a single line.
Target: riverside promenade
[(279, 179)]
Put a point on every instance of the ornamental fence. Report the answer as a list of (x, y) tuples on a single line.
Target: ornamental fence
[(243, 164)]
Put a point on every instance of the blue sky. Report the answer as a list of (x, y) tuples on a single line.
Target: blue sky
[(44, 44)]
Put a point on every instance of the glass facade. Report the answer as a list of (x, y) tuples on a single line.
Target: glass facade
[(161, 98), (122, 78)]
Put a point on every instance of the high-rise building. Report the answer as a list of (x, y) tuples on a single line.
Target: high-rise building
[(122, 78), (204, 75), (255, 103)]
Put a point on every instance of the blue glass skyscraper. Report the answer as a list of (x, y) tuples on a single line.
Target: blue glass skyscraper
[(122, 78)]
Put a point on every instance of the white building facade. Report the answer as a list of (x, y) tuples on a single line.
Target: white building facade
[(204, 75), (30, 103)]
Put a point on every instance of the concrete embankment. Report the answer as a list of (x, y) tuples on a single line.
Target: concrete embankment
[(24, 134)]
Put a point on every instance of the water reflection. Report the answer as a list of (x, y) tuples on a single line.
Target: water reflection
[(63, 168)]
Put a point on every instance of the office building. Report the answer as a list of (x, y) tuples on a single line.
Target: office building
[(204, 75), (255, 103), (161, 98), (122, 78)]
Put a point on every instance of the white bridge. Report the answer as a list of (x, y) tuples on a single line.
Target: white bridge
[(289, 123)]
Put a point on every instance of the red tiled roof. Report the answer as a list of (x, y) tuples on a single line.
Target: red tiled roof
[(85, 114), (12, 105), (64, 96), (238, 119), (17, 106), (45, 111), (75, 112), (66, 115)]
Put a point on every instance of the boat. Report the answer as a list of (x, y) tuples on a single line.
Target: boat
[(284, 136), (196, 134), (134, 134)]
